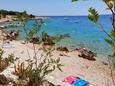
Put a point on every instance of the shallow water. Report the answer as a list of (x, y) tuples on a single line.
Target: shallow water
[(83, 33)]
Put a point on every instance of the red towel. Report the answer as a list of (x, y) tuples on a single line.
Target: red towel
[(70, 79)]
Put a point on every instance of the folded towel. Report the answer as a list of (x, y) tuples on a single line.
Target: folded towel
[(79, 82), (7, 46), (70, 79)]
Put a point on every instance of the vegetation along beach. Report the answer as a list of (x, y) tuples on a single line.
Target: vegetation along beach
[(57, 43)]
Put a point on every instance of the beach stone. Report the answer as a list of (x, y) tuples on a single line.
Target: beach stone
[(35, 40), (86, 54), (12, 35), (3, 80), (63, 49), (105, 63)]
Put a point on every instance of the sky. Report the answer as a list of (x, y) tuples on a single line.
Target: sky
[(53, 7)]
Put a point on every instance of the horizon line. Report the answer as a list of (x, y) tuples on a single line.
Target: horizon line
[(71, 15)]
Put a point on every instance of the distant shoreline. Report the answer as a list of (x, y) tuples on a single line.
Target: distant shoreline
[(71, 15), (2, 20)]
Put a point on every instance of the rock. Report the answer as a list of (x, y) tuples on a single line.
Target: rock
[(105, 63), (62, 54), (51, 43), (2, 27), (63, 49), (12, 35), (35, 40), (86, 54), (3, 80), (47, 40)]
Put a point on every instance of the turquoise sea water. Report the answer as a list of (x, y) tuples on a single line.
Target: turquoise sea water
[(83, 33)]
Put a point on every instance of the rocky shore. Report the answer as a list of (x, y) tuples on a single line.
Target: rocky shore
[(95, 72)]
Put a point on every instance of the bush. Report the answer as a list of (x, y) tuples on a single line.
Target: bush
[(35, 74), (5, 62)]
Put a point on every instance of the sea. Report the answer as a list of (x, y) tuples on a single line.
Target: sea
[(83, 33)]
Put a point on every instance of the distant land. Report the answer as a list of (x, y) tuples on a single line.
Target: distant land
[(3, 13)]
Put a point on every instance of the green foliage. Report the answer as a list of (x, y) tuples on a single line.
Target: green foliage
[(10, 58), (22, 16), (35, 30), (3, 14), (46, 39), (113, 0), (58, 37), (113, 55), (19, 15), (38, 71), (108, 0), (23, 72), (93, 16), (5, 62), (37, 76), (112, 33), (110, 42), (52, 40)]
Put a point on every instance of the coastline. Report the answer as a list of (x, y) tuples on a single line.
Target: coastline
[(78, 38), (4, 20), (94, 72)]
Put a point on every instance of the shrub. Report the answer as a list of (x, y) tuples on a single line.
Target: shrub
[(36, 75), (5, 62), (21, 71)]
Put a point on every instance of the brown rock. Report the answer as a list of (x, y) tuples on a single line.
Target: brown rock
[(86, 54), (12, 35), (63, 49), (3, 80), (35, 40)]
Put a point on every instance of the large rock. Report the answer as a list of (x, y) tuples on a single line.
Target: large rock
[(12, 35), (63, 49), (86, 54), (3, 80), (35, 40)]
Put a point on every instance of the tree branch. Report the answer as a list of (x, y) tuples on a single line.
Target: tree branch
[(101, 27), (113, 13)]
